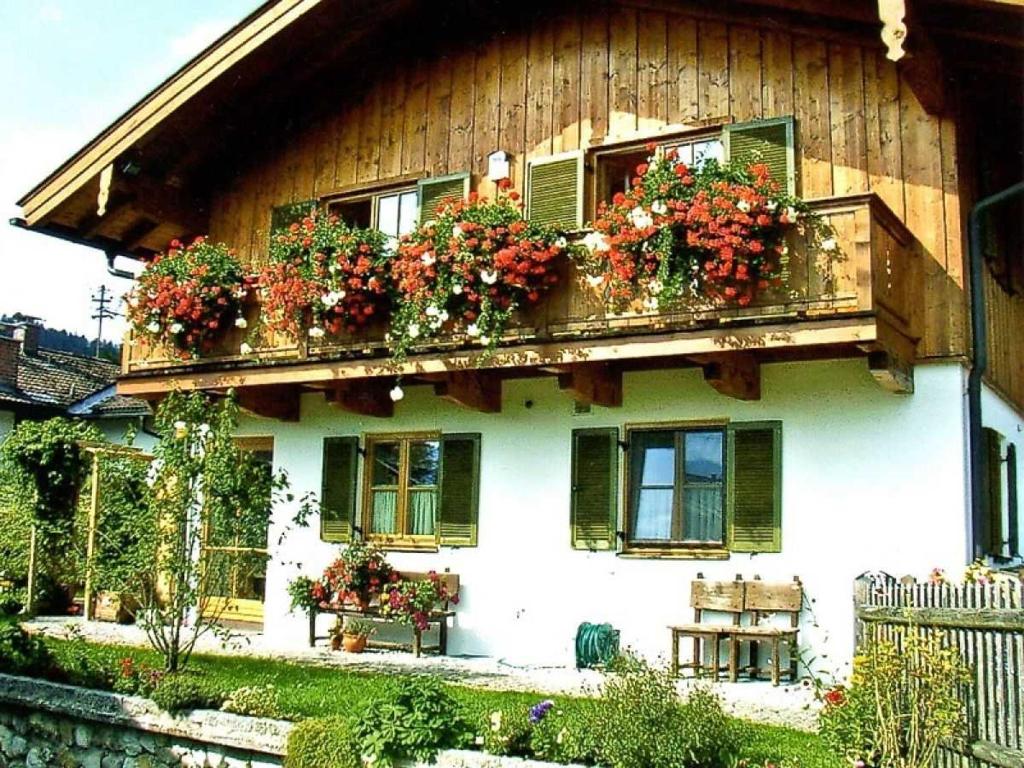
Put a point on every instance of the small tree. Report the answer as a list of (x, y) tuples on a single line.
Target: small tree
[(199, 478)]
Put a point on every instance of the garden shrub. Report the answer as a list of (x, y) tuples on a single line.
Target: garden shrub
[(22, 653), (255, 701), (568, 734), (178, 692), (414, 718), (506, 731), (325, 742)]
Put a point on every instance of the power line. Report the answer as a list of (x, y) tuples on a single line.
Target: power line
[(103, 312)]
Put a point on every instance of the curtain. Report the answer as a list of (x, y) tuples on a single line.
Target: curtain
[(422, 508), (385, 507), (703, 510)]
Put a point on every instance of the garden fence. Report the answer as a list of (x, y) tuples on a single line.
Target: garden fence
[(986, 624)]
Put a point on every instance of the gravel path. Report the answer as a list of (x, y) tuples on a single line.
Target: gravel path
[(789, 705)]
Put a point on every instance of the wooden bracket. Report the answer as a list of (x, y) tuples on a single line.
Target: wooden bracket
[(598, 384), (914, 50), (478, 390), (737, 374), (892, 373), (367, 397), (280, 401)]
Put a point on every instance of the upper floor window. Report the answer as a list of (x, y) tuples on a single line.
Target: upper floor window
[(393, 212)]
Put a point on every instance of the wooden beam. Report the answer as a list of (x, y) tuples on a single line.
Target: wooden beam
[(136, 235), (599, 384), (367, 397), (893, 373), (91, 224), (478, 390), (909, 44), (273, 402), (737, 375)]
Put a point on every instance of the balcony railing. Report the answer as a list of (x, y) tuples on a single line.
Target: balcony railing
[(876, 275)]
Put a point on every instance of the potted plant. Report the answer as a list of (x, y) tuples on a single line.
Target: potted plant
[(412, 602), (307, 594), (355, 633), (359, 575)]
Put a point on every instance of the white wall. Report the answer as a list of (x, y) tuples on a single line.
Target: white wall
[(6, 423), (871, 480), (998, 414), (116, 429)]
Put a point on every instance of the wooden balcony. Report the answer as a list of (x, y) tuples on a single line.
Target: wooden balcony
[(866, 301)]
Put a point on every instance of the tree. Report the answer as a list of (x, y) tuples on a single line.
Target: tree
[(199, 478)]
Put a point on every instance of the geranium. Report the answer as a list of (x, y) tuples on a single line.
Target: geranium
[(185, 298), (412, 602), (360, 573), (307, 593), (714, 234), (470, 269), (324, 276)]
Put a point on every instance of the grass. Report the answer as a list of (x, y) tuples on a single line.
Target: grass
[(307, 690)]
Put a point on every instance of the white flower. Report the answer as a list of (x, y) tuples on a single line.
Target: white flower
[(396, 394), (770, 206), (744, 206), (457, 231), (316, 333), (443, 317), (391, 244), (432, 311), (595, 241), (829, 244), (640, 218), (241, 322), (180, 429), (427, 259), (791, 213), (652, 163), (133, 300), (655, 287), (177, 327), (561, 242), (414, 330), (473, 329), (245, 349), (496, 720), (485, 340), (659, 207), (650, 303), (489, 278), (595, 281), (457, 289), (153, 327), (328, 300)]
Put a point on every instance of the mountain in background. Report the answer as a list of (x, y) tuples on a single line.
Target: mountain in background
[(64, 341)]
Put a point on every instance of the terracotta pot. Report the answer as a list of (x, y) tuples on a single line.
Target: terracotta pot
[(353, 643)]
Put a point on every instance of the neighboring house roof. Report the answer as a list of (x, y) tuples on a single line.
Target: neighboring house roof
[(108, 404)]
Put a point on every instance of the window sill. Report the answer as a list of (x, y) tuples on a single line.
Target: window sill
[(404, 546), (675, 554)]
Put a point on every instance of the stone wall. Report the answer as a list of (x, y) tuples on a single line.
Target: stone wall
[(44, 724)]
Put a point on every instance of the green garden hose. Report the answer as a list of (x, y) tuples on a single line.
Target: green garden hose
[(596, 645)]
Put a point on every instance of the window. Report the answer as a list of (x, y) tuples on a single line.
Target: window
[(393, 212), (1000, 534), (677, 484), (403, 478)]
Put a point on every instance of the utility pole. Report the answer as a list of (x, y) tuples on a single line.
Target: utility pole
[(102, 299)]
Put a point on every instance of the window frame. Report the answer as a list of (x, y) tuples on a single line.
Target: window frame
[(684, 547), (398, 541), (372, 192)]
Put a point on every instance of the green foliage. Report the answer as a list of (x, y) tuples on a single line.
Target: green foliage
[(506, 731), (903, 701), (22, 653), (325, 742), (255, 701), (569, 734), (182, 691), (414, 718)]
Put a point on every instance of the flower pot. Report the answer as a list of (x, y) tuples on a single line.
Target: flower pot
[(353, 643), (336, 642)]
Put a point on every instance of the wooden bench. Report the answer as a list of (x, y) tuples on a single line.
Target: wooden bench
[(437, 617), (753, 599)]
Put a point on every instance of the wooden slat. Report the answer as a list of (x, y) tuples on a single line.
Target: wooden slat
[(812, 117), (368, 156), (622, 77), (512, 125), (486, 106), (439, 105), (777, 74), (652, 62), (539, 89), (712, 70), (414, 130), (846, 110), (392, 128), (565, 128), (346, 154), (460, 138), (884, 150), (744, 73), (594, 79), (681, 73)]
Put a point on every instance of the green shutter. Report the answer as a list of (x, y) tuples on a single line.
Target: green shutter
[(595, 488), (554, 191), (435, 191), (460, 490), (338, 488), (283, 216), (765, 141), (992, 538), (755, 487)]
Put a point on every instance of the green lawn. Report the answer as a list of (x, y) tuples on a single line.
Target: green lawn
[(308, 690)]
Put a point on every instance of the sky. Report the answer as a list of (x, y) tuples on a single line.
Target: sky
[(68, 68)]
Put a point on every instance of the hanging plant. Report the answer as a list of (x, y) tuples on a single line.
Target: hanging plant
[(469, 270), (185, 298), (324, 277), (712, 235)]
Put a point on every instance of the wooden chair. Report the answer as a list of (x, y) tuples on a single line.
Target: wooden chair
[(722, 597), (762, 598)]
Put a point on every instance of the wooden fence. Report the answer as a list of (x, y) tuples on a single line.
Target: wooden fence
[(986, 624)]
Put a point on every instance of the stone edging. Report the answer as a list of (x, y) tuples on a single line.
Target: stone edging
[(253, 734)]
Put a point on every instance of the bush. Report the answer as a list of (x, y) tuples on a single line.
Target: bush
[(506, 731), (568, 734), (325, 742), (415, 717), (255, 701), (178, 692), (22, 653)]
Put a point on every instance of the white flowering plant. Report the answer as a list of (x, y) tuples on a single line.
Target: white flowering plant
[(711, 235), (469, 269)]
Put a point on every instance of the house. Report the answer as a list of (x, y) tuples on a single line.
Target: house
[(597, 462), (39, 383)]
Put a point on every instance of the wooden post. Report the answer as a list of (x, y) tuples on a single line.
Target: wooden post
[(312, 626), (90, 541), (30, 601)]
